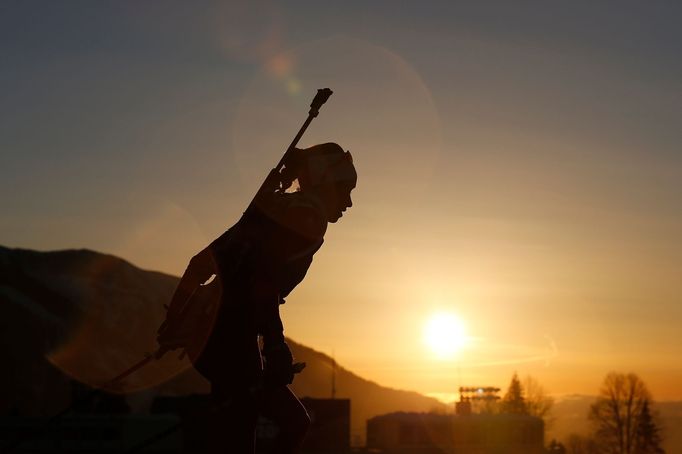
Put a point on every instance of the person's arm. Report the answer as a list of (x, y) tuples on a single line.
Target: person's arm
[(278, 357), (265, 299), (277, 273)]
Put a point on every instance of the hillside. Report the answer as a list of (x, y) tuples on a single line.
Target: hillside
[(88, 316), (368, 399)]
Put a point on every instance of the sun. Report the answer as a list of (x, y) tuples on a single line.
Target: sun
[(445, 335)]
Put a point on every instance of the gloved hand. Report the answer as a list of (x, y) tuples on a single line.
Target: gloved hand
[(278, 364)]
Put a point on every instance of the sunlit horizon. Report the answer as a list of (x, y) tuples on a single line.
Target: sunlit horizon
[(524, 179)]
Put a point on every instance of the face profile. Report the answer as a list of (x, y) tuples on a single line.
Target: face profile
[(341, 202), (327, 171)]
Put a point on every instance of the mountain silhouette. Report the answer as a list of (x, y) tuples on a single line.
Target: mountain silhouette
[(83, 315)]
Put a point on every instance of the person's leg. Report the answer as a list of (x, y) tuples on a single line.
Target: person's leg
[(284, 408), (232, 363), (233, 422)]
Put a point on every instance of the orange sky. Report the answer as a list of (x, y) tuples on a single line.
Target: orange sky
[(526, 179)]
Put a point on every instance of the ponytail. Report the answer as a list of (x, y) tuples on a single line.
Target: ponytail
[(293, 167)]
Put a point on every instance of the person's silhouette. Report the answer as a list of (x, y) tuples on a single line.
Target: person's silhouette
[(256, 264)]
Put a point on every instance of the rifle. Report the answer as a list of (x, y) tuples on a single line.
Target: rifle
[(320, 98)]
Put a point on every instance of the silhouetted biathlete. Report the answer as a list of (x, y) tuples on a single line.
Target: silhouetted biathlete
[(256, 264)]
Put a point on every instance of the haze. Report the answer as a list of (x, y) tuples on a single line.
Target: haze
[(519, 166)]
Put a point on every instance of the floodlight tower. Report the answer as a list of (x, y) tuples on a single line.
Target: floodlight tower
[(469, 394)]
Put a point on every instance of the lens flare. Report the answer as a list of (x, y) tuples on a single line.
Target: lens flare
[(115, 326), (381, 107)]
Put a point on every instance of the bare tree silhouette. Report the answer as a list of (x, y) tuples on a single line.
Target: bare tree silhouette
[(621, 417), (538, 402)]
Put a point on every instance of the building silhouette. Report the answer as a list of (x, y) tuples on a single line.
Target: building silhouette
[(429, 433), (464, 432)]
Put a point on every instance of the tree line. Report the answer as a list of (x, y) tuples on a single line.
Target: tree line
[(622, 419)]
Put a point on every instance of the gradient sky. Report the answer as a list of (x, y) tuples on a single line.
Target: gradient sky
[(519, 163)]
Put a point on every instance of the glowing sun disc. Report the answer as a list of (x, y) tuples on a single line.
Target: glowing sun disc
[(445, 335)]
